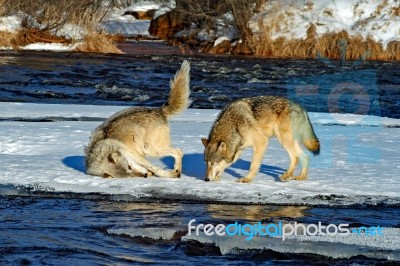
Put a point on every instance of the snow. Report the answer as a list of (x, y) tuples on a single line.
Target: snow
[(155, 233), (359, 161), (291, 19), (59, 47), (164, 8), (221, 39), (71, 31), (10, 23), (127, 26), (380, 247), (385, 246), (224, 29), (143, 6), (116, 23)]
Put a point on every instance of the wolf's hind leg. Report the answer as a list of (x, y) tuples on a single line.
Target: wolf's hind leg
[(304, 160), (178, 160), (176, 153), (294, 160), (288, 143)]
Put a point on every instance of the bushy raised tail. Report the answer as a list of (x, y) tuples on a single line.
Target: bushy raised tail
[(178, 99)]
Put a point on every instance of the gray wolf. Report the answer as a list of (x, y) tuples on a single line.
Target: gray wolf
[(119, 146), (250, 122)]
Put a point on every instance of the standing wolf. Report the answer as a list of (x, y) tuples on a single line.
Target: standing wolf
[(119, 146), (250, 122)]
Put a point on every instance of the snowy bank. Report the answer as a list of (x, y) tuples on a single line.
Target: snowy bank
[(359, 160), (379, 19)]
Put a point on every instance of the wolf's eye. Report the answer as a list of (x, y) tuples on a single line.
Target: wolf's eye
[(129, 167), (212, 164)]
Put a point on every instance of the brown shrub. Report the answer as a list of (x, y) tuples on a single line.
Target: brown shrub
[(53, 15), (331, 45), (31, 35), (396, 11), (393, 50), (7, 39), (166, 25), (96, 42)]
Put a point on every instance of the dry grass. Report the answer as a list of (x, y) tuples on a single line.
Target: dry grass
[(334, 45), (54, 15), (396, 11), (393, 49), (32, 35), (7, 39), (96, 42), (15, 40), (328, 45)]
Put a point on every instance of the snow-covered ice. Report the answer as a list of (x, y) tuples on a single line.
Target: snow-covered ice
[(386, 246), (381, 246), (359, 161)]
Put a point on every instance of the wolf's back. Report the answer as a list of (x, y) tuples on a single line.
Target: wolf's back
[(178, 99)]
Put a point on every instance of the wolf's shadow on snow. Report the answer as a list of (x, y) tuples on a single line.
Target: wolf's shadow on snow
[(75, 162), (193, 165)]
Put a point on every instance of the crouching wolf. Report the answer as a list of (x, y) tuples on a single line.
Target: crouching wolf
[(119, 146), (250, 122)]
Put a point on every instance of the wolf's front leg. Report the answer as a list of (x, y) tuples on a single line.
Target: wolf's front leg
[(152, 169), (259, 150)]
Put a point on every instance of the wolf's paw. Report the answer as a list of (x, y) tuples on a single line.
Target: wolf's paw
[(150, 173), (244, 180), (176, 174), (147, 174), (285, 177), (300, 178)]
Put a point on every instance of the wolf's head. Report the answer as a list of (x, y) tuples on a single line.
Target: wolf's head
[(108, 158), (216, 158)]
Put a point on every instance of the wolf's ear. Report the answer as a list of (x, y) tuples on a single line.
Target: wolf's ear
[(113, 157), (222, 146), (205, 141)]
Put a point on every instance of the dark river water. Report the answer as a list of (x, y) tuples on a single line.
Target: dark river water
[(319, 85), (71, 229), (44, 228)]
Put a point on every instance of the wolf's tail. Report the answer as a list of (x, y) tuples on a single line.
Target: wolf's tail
[(178, 99), (303, 130), (309, 139)]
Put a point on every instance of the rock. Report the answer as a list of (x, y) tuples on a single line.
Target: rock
[(166, 25), (242, 49), (222, 48)]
